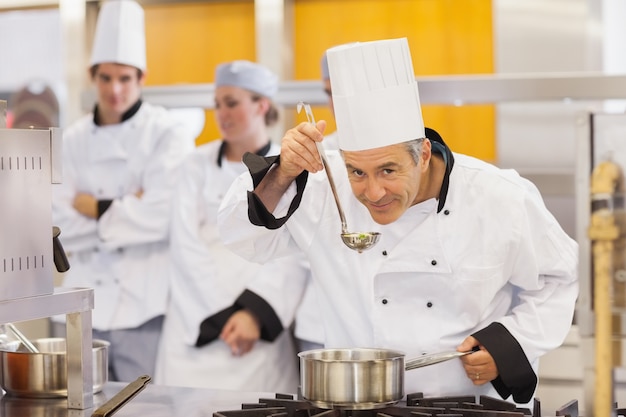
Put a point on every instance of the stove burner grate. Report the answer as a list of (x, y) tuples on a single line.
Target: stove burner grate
[(416, 405)]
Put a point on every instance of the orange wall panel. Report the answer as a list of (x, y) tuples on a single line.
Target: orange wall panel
[(185, 42), (445, 36)]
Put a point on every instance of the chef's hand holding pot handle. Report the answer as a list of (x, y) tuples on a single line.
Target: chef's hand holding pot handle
[(241, 332), (479, 366)]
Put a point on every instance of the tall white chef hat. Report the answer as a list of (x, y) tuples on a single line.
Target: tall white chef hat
[(248, 75), (375, 94), (120, 36), (324, 67)]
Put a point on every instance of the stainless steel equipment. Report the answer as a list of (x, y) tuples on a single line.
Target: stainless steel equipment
[(601, 234), (27, 170), (359, 378), (44, 374), (29, 165)]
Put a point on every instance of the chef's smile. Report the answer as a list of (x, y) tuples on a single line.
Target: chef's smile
[(386, 180)]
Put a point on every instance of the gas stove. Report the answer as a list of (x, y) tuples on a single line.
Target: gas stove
[(415, 405)]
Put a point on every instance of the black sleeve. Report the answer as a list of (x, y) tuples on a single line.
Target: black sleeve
[(257, 213), (271, 325), (103, 205), (517, 376), (211, 327)]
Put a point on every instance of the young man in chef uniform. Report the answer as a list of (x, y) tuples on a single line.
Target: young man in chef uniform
[(468, 257), (119, 166)]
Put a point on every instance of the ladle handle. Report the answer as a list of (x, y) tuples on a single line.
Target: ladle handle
[(329, 174), (31, 348), (331, 181)]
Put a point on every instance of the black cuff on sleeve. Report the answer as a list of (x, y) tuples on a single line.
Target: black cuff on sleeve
[(257, 213), (211, 327), (517, 376), (259, 165), (103, 205), (271, 325)]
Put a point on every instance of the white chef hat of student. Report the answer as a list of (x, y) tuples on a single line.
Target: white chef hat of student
[(247, 75), (120, 35), (375, 94)]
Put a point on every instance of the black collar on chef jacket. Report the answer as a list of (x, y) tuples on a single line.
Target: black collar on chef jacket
[(259, 166), (127, 115), (440, 147), (261, 152)]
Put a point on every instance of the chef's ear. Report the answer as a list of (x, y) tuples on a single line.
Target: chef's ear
[(426, 153), (264, 104), (141, 76), (92, 71)]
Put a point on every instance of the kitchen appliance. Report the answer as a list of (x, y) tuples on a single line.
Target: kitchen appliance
[(29, 165), (415, 405)]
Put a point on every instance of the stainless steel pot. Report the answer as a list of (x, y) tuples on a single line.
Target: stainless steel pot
[(359, 378), (44, 374), (356, 379)]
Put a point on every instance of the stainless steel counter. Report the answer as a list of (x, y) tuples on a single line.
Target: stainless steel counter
[(153, 401)]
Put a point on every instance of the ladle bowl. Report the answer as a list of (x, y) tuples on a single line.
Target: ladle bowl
[(360, 241)]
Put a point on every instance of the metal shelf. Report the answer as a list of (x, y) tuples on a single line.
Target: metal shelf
[(455, 90), (76, 304)]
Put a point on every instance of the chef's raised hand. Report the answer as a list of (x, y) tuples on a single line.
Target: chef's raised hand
[(241, 332), (479, 366), (298, 151)]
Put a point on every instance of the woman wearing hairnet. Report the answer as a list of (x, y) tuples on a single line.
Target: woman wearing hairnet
[(225, 327)]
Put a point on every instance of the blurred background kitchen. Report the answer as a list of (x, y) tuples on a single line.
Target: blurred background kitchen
[(508, 81)]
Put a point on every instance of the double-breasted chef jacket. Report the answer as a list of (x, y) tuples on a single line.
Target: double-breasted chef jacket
[(486, 259), (123, 254), (209, 283)]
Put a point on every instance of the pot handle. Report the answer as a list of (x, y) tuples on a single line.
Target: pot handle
[(125, 395), (433, 359)]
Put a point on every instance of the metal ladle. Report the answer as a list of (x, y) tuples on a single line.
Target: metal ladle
[(31, 348), (357, 241)]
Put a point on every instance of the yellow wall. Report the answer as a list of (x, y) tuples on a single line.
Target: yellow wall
[(187, 41), (445, 36)]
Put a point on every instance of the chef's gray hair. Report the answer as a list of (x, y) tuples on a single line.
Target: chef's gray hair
[(414, 148)]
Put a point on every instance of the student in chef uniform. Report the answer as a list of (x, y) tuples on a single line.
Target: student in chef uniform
[(225, 322), (120, 163), (468, 257)]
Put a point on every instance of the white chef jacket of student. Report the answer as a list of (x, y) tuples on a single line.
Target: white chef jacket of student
[(124, 254), (493, 253), (207, 278)]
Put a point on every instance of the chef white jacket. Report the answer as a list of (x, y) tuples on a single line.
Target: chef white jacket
[(208, 278), (123, 255), (486, 251)]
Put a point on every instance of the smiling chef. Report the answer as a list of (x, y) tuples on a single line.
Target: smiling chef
[(468, 257)]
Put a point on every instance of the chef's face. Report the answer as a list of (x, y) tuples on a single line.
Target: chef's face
[(388, 180), (239, 113), (119, 87)]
